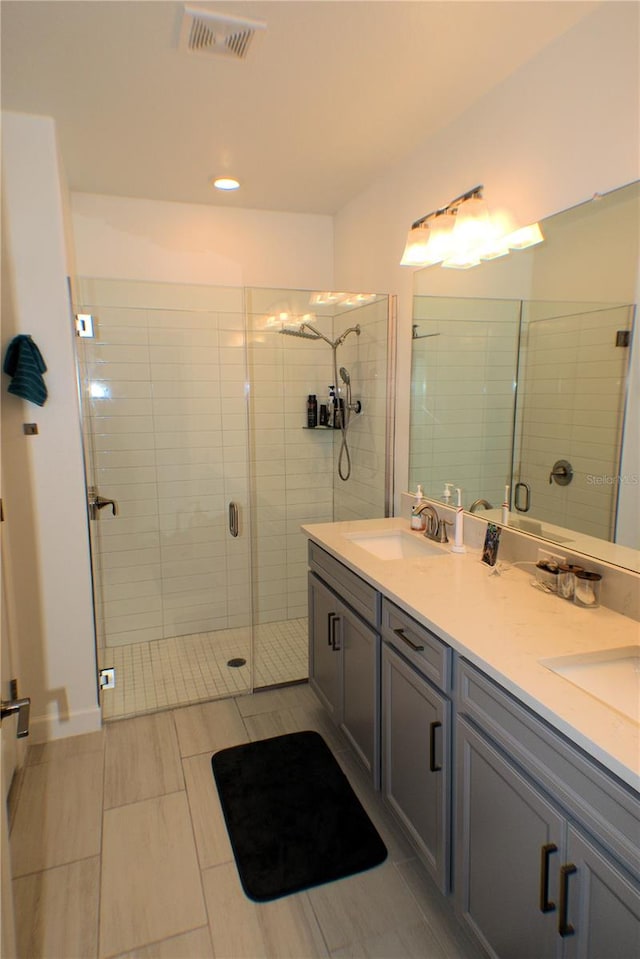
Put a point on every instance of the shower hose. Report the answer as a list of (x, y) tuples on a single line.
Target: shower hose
[(344, 472)]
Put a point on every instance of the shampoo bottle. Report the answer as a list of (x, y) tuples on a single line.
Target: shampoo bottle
[(312, 411), (331, 407), (458, 538), (418, 520)]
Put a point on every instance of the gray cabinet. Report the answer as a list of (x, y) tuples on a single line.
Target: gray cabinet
[(539, 843), (601, 905), (416, 737), (344, 655), (509, 847), (360, 689), (547, 842), (416, 722), (324, 651)]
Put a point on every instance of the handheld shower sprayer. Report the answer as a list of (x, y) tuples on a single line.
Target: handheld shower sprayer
[(346, 379)]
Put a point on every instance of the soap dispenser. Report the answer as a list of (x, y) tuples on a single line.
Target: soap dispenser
[(418, 520), (446, 495), (458, 539)]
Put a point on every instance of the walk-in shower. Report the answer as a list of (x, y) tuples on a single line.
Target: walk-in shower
[(346, 407), (192, 405)]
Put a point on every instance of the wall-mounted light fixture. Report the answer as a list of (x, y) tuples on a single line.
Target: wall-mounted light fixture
[(463, 233)]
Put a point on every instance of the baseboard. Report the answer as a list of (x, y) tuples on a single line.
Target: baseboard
[(43, 729)]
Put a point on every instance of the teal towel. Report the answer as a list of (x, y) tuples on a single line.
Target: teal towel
[(23, 362)]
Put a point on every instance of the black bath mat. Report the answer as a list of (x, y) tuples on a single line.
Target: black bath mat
[(293, 819)]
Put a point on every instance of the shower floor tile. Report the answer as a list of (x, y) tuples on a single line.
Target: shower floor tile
[(171, 672)]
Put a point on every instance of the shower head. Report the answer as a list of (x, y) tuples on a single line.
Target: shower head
[(343, 336), (346, 379), (289, 331)]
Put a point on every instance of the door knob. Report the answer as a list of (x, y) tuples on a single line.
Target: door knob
[(20, 706)]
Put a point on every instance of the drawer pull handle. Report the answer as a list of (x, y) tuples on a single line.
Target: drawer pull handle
[(416, 647), (545, 904), (564, 926), (432, 747)]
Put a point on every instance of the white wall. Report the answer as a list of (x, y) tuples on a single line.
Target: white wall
[(189, 243), (45, 535), (558, 130)]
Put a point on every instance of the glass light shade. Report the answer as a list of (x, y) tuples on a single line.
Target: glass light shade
[(459, 260), (502, 223), (525, 237), (472, 229), (416, 246), (494, 246), (442, 230)]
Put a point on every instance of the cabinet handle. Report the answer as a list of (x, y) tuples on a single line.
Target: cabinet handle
[(330, 620), (335, 644), (564, 926), (545, 904), (432, 747), (405, 639)]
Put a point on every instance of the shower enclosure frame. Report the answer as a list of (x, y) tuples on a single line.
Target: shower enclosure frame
[(387, 343)]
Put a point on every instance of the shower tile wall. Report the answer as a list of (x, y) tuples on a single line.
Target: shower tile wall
[(292, 466), (572, 399), (462, 395), (160, 382), (365, 357), (295, 468)]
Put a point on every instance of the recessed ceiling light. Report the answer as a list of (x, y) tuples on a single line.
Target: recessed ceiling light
[(225, 183)]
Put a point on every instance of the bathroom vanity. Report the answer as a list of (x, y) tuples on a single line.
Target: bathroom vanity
[(518, 789)]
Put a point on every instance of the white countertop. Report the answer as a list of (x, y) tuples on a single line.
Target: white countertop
[(504, 626)]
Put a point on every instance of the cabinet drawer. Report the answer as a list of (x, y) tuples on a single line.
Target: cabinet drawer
[(417, 644), (359, 595), (609, 809)]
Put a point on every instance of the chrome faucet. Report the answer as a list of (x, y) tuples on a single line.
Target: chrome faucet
[(477, 503), (436, 528)]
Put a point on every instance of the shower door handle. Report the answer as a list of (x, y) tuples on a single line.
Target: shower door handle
[(234, 526), (519, 505), (97, 502)]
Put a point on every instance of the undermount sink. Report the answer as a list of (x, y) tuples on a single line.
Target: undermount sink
[(395, 544), (611, 675)]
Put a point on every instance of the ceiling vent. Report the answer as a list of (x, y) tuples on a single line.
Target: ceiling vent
[(218, 34)]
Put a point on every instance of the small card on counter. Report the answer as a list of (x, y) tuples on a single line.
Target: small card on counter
[(491, 543)]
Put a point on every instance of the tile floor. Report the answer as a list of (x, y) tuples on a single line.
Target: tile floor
[(119, 849), (172, 672)]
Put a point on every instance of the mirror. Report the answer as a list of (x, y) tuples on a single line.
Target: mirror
[(521, 378)]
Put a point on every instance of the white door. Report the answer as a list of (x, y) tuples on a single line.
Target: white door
[(10, 754)]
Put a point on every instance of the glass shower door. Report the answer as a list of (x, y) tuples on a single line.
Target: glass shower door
[(164, 397)]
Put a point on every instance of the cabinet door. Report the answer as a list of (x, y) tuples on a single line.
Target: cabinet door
[(509, 841), (324, 647), (360, 689), (601, 914), (416, 767)]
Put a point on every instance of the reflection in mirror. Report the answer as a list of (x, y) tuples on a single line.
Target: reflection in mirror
[(525, 380)]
